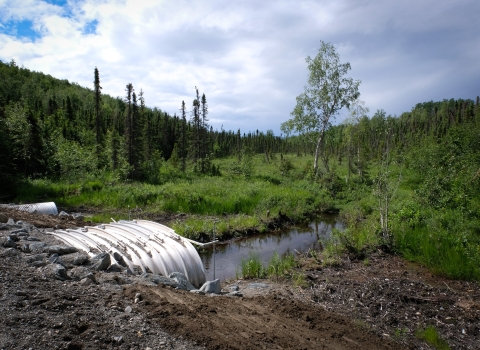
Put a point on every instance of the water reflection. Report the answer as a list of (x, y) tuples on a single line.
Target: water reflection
[(229, 256)]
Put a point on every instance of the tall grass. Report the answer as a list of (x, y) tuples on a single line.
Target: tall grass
[(277, 267), (440, 251), (251, 267)]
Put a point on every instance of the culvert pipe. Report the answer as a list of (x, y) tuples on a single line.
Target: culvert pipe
[(141, 243)]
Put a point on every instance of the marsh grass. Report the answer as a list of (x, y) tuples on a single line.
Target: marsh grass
[(279, 266), (251, 267), (242, 205), (276, 268)]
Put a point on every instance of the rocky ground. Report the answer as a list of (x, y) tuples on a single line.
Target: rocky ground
[(55, 298)]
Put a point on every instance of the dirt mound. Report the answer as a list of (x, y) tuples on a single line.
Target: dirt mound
[(262, 322)]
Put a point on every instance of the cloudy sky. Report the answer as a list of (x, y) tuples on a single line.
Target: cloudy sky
[(248, 57)]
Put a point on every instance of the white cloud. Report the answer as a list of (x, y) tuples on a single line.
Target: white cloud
[(249, 56)]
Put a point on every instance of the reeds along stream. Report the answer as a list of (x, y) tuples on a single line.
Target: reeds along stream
[(228, 256)]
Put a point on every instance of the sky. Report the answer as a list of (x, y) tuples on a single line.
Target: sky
[(248, 57)]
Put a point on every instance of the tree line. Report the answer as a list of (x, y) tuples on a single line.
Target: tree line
[(54, 128), (57, 129)]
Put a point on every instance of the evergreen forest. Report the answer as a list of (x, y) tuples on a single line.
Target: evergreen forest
[(407, 184)]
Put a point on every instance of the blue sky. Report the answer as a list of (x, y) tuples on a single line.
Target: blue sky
[(248, 57)]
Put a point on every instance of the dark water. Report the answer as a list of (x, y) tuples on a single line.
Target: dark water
[(228, 257)]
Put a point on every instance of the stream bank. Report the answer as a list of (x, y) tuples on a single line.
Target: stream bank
[(379, 303)]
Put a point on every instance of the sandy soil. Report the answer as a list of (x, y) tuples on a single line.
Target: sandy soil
[(355, 306)]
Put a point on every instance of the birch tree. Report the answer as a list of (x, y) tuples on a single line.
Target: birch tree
[(326, 93)]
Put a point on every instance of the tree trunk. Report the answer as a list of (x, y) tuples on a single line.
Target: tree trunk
[(317, 153)]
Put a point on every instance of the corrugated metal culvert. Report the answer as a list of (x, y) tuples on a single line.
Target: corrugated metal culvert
[(146, 244), (39, 208)]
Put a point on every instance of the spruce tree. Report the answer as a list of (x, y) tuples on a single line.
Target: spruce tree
[(98, 92), (183, 138), (196, 124), (129, 133), (204, 133)]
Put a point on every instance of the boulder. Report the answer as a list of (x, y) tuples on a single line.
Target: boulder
[(211, 287), (37, 257), (3, 218), (78, 216), (80, 260), (14, 237), (80, 272), (181, 281), (56, 271), (60, 250), (37, 248), (8, 242), (55, 259), (114, 268), (38, 264), (101, 262), (156, 279), (22, 230)]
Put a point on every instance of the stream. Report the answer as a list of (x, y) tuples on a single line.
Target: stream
[(228, 256)]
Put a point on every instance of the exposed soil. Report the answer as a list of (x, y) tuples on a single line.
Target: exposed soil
[(356, 306), (395, 298)]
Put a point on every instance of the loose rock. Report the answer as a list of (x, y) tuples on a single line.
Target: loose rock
[(101, 261), (80, 260), (22, 230), (56, 271), (86, 282), (60, 250), (181, 281), (38, 247), (8, 242), (212, 287), (114, 268), (80, 272), (78, 216), (55, 259)]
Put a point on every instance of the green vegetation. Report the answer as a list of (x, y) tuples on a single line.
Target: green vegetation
[(277, 267), (407, 185), (251, 267), (430, 336)]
